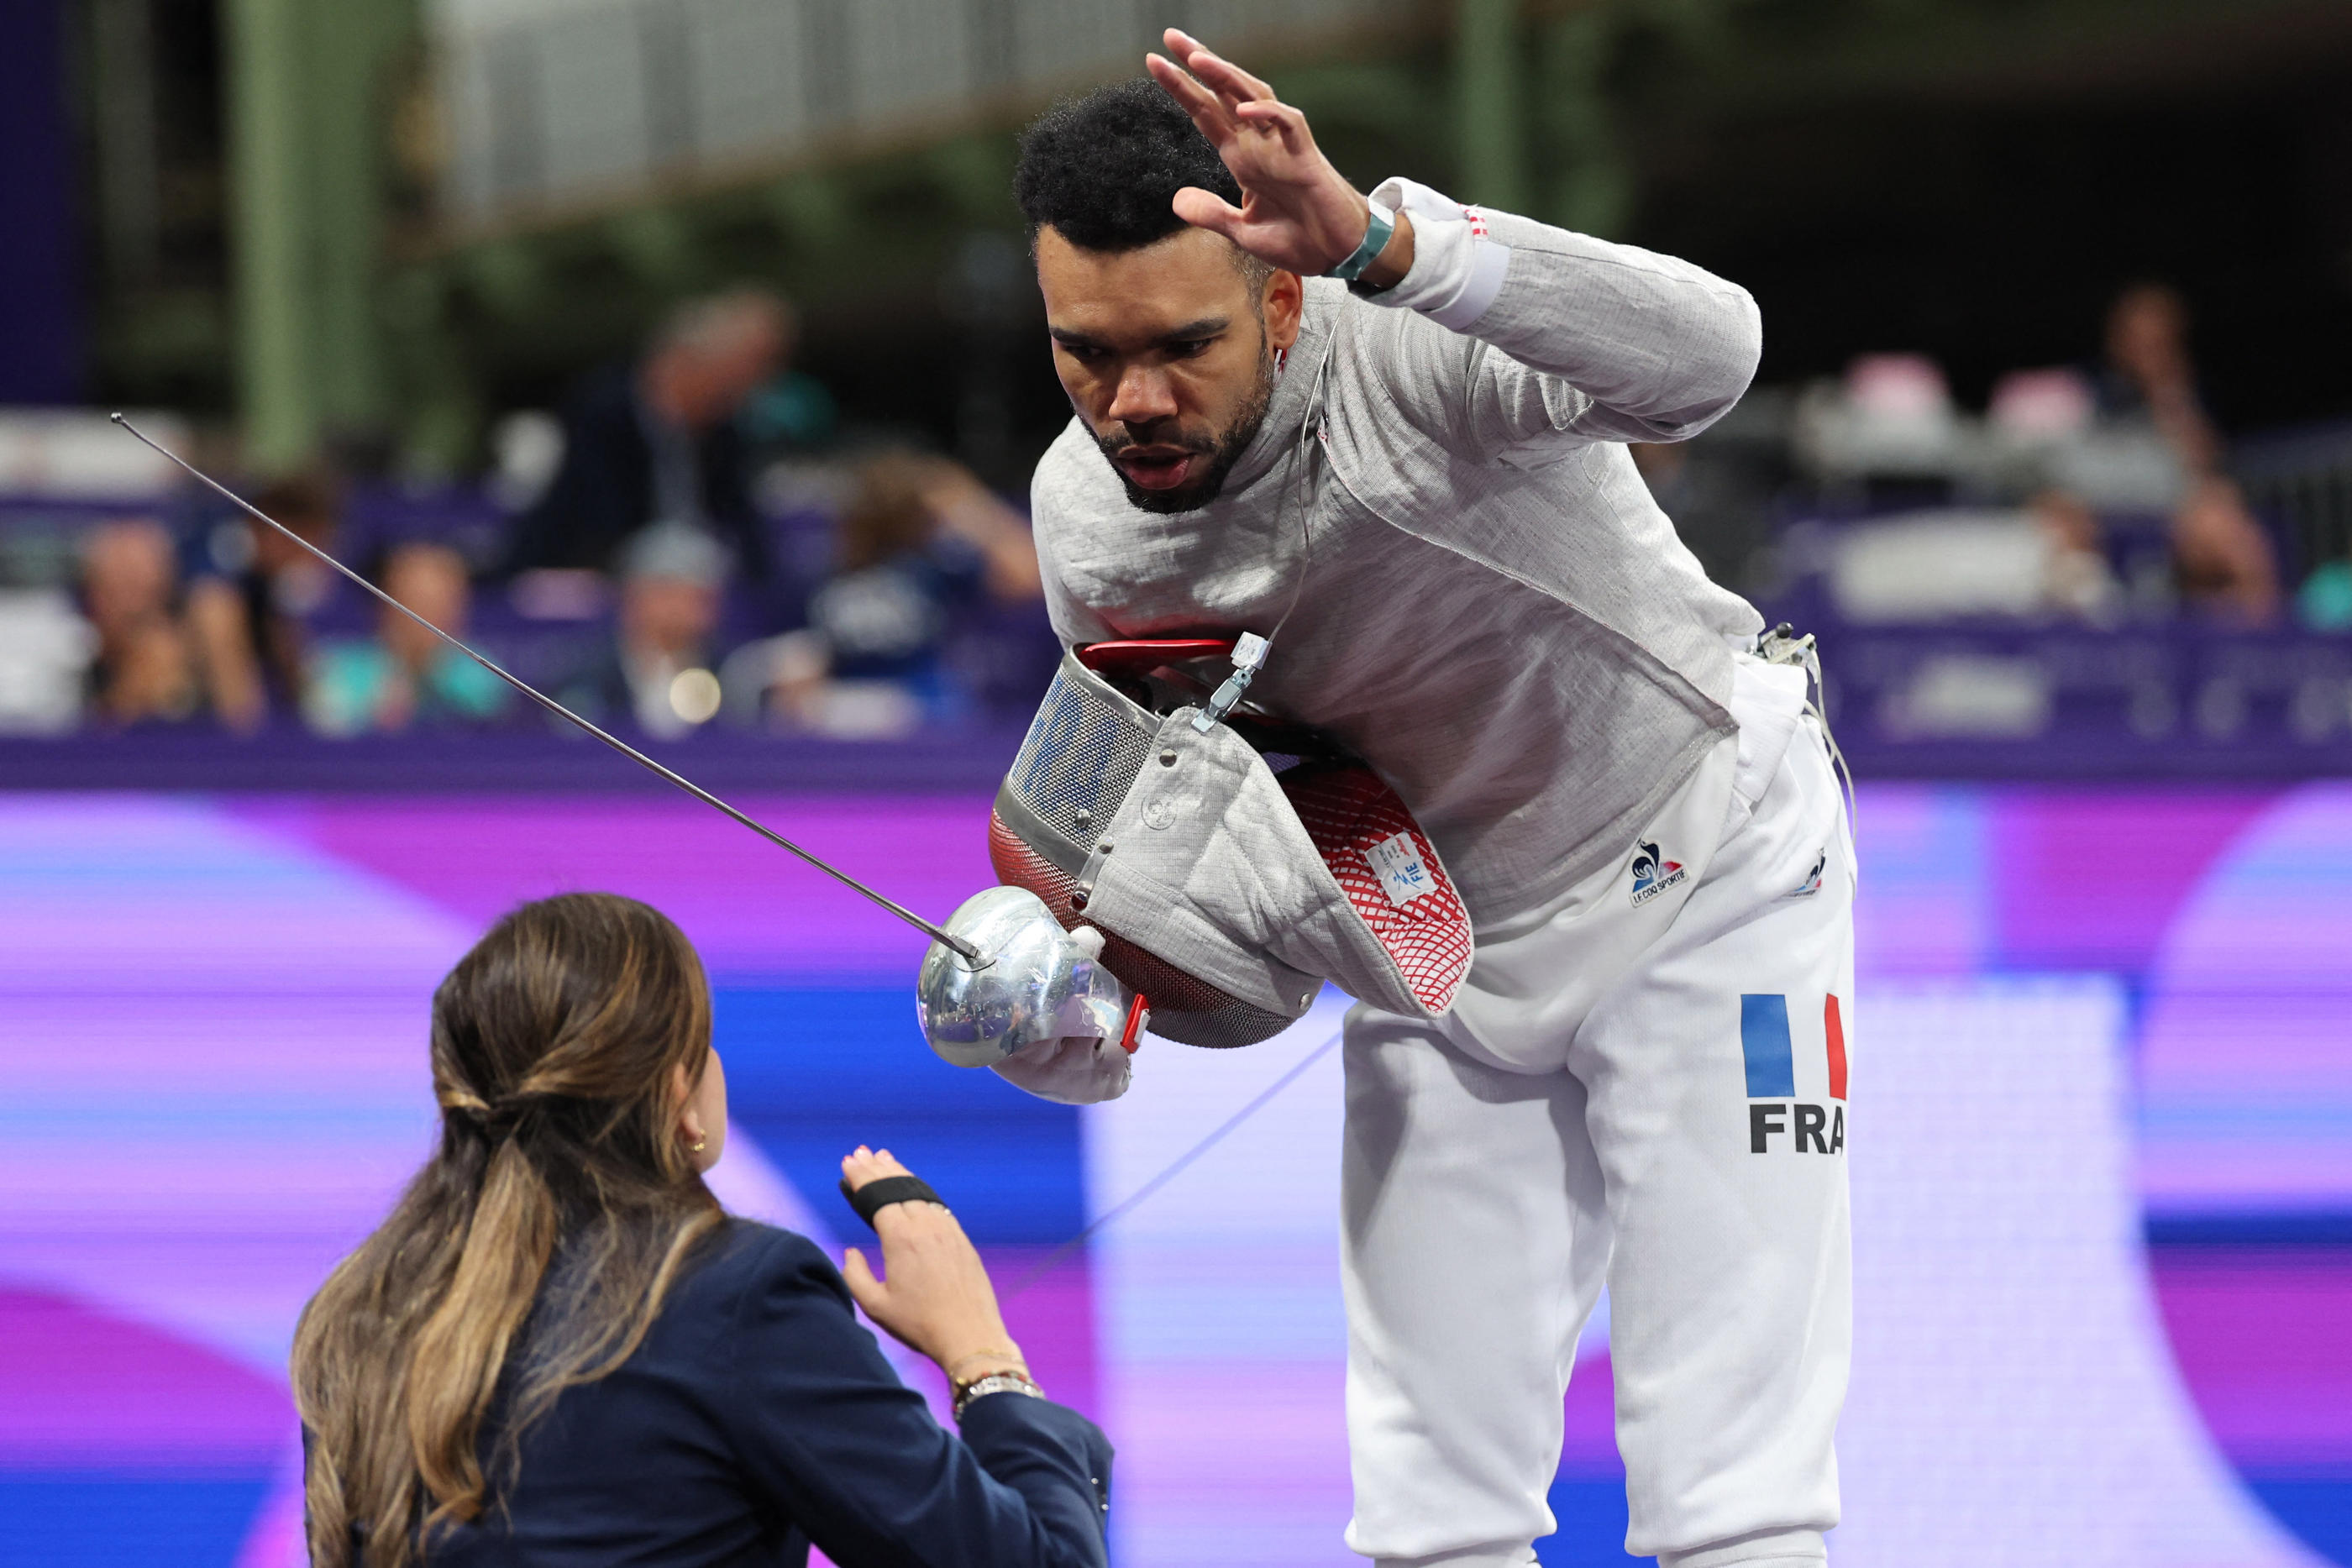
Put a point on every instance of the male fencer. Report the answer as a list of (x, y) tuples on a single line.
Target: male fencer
[(1389, 433)]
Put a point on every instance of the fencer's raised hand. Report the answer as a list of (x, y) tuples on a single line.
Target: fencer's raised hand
[(933, 1296), (1297, 212)]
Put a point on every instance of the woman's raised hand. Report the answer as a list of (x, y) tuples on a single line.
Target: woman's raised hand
[(933, 1295)]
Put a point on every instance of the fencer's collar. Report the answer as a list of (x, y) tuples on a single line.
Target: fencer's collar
[(1294, 392)]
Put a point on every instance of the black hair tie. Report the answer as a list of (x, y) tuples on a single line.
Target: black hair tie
[(876, 1196)]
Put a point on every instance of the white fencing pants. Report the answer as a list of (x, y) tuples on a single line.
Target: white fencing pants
[(1686, 1145)]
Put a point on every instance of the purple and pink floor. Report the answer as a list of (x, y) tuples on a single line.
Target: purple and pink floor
[(212, 1019)]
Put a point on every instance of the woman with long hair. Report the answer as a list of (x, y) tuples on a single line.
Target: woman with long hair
[(558, 1349)]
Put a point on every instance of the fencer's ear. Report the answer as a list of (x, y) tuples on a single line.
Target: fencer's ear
[(1284, 302)]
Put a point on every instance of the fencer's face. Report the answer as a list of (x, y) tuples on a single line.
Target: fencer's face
[(1168, 354)]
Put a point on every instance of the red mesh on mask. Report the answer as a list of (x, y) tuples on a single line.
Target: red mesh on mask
[(1349, 811)]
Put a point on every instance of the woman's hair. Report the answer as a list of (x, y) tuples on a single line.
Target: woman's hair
[(557, 1043)]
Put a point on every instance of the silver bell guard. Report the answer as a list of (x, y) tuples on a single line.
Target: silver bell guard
[(1034, 982)]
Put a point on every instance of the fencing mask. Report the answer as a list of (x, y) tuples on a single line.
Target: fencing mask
[(1232, 867)]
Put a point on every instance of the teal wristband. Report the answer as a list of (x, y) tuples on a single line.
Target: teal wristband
[(1376, 240)]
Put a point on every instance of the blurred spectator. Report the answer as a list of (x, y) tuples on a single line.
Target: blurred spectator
[(921, 537), (404, 674), (46, 650), (2149, 375), (1954, 564), (792, 414), (659, 442), (2324, 600), (2042, 408), (1887, 427), (145, 666), (526, 453), (2222, 561), (657, 670), (2075, 577), (249, 591), (930, 519)]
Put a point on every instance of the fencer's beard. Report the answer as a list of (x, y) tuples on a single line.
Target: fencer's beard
[(1220, 450)]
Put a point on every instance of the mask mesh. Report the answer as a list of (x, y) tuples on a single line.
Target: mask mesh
[(1078, 760)]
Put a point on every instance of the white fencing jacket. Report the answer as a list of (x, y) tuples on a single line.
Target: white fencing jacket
[(1493, 612)]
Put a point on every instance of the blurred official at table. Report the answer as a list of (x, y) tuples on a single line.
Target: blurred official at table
[(659, 442)]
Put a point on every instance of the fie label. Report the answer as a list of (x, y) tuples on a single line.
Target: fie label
[(1403, 875)]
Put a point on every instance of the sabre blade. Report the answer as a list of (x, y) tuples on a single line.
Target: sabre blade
[(550, 704)]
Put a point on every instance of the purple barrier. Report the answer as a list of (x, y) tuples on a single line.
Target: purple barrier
[(1966, 700), (2026, 701), (964, 760)]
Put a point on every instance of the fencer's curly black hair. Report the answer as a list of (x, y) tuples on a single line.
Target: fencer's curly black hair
[(1103, 169)]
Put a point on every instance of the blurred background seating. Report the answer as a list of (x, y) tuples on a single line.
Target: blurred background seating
[(525, 282)]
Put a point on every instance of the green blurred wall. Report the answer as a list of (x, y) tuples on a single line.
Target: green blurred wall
[(354, 313), (310, 96)]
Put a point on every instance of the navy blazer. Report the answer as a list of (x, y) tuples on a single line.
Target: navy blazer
[(757, 1417)]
